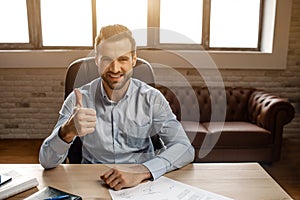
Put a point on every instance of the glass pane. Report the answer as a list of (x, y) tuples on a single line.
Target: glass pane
[(234, 23), (183, 19), (13, 21), (131, 13), (66, 22)]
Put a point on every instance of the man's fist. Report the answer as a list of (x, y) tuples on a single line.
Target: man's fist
[(123, 177)]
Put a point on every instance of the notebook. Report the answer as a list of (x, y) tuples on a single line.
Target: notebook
[(50, 192), (17, 184)]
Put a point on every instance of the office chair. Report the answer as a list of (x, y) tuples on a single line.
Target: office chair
[(88, 71), (83, 71)]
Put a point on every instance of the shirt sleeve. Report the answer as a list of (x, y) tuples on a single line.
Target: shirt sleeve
[(179, 151), (54, 150)]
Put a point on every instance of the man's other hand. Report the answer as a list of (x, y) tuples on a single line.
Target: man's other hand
[(123, 177)]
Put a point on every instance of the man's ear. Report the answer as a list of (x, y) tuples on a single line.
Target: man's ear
[(97, 60), (134, 58)]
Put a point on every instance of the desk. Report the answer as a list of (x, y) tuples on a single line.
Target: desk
[(236, 180)]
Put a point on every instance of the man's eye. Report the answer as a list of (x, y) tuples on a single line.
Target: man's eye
[(123, 59), (106, 60)]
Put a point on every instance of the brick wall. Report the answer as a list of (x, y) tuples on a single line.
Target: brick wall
[(31, 98), (29, 101)]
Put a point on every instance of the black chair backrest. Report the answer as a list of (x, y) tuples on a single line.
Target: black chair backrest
[(83, 71)]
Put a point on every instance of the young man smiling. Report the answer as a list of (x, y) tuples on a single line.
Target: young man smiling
[(115, 115)]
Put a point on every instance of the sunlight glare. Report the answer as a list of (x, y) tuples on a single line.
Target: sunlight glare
[(131, 13), (234, 23), (66, 22), (182, 17)]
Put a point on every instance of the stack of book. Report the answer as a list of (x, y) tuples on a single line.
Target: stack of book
[(18, 183)]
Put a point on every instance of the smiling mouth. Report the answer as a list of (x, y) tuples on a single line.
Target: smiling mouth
[(115, 77)]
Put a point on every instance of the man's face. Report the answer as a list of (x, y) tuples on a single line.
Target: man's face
[(115, 62)]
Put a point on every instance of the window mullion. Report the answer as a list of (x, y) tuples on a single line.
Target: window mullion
[(34, 23), (153, 23), (206, 23), (94, 20), (261, 14)]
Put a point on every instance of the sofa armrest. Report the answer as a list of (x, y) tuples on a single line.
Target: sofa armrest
[(269, 111)]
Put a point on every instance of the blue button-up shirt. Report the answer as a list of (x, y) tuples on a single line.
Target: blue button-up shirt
[(123, 130)]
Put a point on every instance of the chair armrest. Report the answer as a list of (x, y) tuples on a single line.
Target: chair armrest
[(269, 111)]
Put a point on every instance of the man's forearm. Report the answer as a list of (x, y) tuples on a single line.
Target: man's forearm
[(53, 150)]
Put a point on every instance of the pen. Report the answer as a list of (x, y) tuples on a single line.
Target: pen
[(58, 197)]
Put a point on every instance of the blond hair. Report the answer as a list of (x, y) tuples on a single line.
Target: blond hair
[(115, 32)]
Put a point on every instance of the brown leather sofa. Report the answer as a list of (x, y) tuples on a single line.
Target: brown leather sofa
[(247, 124)]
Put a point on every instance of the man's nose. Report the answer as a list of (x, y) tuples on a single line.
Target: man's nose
[(115, 66)]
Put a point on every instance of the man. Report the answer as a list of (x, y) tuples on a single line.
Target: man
[(115, 115)]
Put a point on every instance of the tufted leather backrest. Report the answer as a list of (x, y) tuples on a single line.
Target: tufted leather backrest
[(237, 103), (172, 99), (199, 99)]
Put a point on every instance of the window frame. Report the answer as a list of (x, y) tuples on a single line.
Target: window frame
[(273, 54), (34, 28), (206, 27), (153, 20), (154, 37)]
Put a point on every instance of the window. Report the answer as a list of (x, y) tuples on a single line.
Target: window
[(13, 30), (134, 17), (191, 24), (185, 19), (273, 38), (66, 23), (234, 23)]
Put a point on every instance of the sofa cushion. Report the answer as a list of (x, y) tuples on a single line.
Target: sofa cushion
[(195, 131), (241, 134)]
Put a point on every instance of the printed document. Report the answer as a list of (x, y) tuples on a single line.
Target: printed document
[(164, 189)]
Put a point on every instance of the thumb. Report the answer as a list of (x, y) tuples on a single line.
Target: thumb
[(78, 98)]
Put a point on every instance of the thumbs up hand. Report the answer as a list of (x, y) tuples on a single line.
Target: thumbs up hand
[(78, 96), (82, 121), (84, 118)]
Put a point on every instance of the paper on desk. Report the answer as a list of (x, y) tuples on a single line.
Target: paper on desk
[(164, 189)]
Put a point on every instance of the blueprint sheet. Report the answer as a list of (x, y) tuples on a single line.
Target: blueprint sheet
[(164, 189)]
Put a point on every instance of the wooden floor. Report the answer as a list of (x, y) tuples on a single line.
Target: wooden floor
[(286, 172)]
